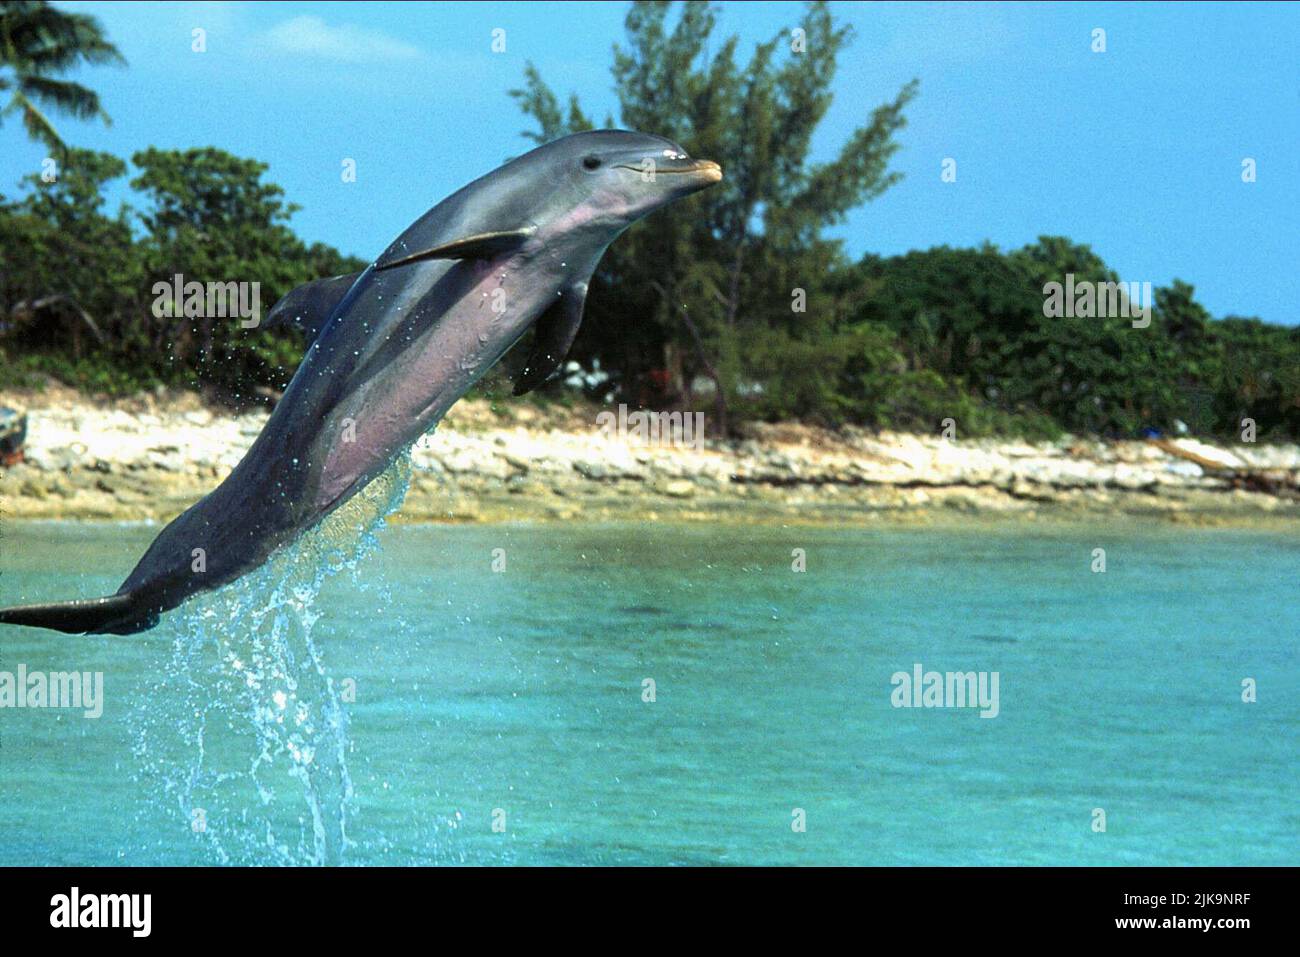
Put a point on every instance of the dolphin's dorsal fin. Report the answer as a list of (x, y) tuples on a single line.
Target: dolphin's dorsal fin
[(552, 337), (311, 304), (478, 246)]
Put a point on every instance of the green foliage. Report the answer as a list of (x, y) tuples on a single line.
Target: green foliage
[(976, 318), (735, 296), (83, 306), (209, 216), (99, 373), (38, 42), (905, 342), (712, 276), (1250, 370)]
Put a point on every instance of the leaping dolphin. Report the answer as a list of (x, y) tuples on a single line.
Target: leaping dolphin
[(395, 346)]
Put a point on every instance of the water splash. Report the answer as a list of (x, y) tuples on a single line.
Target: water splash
[(245, 733)]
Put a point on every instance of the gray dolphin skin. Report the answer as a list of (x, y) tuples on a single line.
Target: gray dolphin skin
[(396, 346)]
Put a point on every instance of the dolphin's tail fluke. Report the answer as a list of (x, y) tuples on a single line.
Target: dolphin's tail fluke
[(121, 614)]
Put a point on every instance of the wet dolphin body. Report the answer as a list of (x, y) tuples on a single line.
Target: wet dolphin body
[(395, 346)]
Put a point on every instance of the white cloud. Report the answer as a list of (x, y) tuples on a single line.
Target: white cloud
[(309, 36)]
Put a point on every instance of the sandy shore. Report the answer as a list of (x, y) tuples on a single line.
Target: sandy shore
[(147, 458)]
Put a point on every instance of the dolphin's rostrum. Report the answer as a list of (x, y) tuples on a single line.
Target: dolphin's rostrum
[(392, 348)]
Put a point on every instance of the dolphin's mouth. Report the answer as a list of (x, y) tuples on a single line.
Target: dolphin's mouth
[(707, 171)]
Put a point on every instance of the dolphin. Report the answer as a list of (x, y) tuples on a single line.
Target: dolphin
[(392, 348)]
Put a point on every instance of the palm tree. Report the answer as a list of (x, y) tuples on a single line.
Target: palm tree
[(37, 42)]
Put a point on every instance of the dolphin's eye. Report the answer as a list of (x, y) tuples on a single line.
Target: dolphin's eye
[(591, 162)]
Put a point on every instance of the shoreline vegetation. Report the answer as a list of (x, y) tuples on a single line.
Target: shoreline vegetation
[(737, 301), (1049, 364), (146, 458)]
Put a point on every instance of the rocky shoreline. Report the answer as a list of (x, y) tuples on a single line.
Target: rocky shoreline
[(148, 458)]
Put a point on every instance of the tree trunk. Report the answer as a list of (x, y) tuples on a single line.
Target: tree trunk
[(733, 288), (719, 394)]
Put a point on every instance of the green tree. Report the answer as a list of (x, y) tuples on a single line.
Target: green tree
[(79, 300), (37, 43), (1098, 374), (717, 273), (210, 217), (80, 276), (1252, 370)]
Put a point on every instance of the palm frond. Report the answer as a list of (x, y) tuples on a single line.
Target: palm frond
[(72, 98), (36, 36), (38, 41), (36, 123)]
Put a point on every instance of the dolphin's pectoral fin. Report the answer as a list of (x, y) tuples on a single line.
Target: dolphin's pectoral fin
[(552, 337), (308, 306), (478, 246)]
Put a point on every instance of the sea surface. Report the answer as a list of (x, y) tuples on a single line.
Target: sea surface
[(671, 695)]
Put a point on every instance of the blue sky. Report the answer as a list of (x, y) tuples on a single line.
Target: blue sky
[(1136, 151)]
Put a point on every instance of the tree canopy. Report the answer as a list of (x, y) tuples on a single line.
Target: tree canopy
[(204, 215), (706, 288), (38, 42), (734, 300)]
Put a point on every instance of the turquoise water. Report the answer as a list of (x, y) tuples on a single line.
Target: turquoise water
[(421, 696)]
